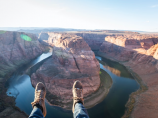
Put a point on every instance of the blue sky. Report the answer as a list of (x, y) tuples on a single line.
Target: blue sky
[(81, 14)]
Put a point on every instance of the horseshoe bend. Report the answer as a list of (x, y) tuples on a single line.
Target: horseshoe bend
[(79, 59), (72, 58)]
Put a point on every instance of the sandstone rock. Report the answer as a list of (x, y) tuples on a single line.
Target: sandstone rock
[(15, 51), (93, 40), (117, 51), (72, 59)]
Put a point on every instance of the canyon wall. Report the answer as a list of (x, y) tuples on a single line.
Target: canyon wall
[(139, 53), (93, 40), (16, 49), (72, 59)]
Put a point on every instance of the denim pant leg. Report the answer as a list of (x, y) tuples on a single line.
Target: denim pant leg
[(80, 111), (36, 113)]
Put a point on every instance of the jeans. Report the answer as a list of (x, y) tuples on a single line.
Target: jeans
[(80, 112), (36, 113)]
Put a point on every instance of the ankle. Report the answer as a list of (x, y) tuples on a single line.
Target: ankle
[(38, 106), (80, 102)]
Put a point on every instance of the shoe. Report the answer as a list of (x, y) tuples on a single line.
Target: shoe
[(40, 93), (77, 91)]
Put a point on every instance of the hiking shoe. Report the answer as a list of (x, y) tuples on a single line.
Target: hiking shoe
[(77, 91), (40, 93)]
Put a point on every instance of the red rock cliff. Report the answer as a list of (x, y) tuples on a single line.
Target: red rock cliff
[(16, 51), (93, 40)]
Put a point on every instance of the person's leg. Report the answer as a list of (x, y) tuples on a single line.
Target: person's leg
[(78, 109), (36, 113), (39, 108)]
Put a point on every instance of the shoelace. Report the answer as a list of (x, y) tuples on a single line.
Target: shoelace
[(38, 95), (79, 92)]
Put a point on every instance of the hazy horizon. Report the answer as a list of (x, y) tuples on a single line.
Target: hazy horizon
[(58, 28), (131, 15)]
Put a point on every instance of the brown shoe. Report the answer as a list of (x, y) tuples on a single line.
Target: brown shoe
[(77, 91), (40, 93)]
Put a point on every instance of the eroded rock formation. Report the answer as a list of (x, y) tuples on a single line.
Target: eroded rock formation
[(16, 49), (93, 40), (128, 47), (72, 59)]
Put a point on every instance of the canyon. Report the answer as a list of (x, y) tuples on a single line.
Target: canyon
[(138, 52), (72, 59)]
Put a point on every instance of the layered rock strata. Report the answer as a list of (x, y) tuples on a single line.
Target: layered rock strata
[(93, 40), (16, 49), (138, 53), (72, 59)]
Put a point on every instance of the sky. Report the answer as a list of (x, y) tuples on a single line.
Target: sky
[(141, 15)]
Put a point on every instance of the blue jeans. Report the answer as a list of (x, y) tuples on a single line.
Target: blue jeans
[(80, 112)]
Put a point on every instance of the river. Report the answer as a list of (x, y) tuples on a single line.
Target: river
[(112, 106)]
